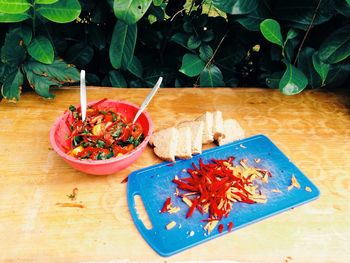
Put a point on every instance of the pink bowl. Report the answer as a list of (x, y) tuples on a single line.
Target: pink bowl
[(60, 130)]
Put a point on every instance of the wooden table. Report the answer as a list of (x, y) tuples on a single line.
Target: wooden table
[(312, 128)]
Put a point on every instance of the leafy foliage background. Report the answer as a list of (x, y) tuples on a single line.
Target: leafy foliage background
[(290, 45)]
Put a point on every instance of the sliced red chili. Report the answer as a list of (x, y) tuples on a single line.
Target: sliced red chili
[(165, 205), (220, 228)]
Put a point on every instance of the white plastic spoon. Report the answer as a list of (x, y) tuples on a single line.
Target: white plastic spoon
[(148, 99), (82, 95)]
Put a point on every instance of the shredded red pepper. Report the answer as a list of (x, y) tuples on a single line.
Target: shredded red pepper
[(104, 134), (229, 226), (213, 187), (166, 205)]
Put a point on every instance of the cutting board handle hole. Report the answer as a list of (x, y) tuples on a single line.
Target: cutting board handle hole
[(141, 212)]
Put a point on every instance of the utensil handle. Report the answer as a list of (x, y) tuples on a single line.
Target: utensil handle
[(148, 99), (82, 95)]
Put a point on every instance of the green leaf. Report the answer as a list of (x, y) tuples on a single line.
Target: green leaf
[(79, 54), (12, 51), (192, 65), (41, 50), (321, 68), (205, 52), (13, 18), (117, 80), (336, 47), (338, 74), (25, 33), (14, 6), (181, 39), (59, 71), (292, 33), (252, 20), (63, 11), (41, 84), (11, 88), (211, 76), (158, 2), (135, 67), (293, 80), (343, 7), (271, 30), (236, 7), (121, 50), (45, 2), (300, 13), (305, 64), (193, 42), (130, 11), (207, 35)]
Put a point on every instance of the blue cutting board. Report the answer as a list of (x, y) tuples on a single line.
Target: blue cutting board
[(154, 184)]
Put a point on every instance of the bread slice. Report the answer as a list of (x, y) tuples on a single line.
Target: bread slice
[(232, 132), (207, 118), (183, 150), (165, 143), (218, 125), (196, 128)]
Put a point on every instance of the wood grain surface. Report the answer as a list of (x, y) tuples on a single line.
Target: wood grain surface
[(312, 128)]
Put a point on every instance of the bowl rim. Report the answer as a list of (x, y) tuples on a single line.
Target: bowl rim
[(106, 161)]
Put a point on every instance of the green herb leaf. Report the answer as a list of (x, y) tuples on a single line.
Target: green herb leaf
[(72, 108), (117, 133), (100, 144)]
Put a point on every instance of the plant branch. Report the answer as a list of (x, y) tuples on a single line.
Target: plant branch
[(212, 57), (307, 31)]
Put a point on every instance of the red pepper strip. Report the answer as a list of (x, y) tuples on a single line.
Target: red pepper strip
[(229, 226), (193, 206), (170, 164), (125, 180), (166, 204), (220, 228), (184, 186)]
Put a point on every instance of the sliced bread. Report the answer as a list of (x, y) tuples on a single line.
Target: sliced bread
[(232, 130), (196, 128), (165, 143), (207, 119), (218, 125), (183, 149)]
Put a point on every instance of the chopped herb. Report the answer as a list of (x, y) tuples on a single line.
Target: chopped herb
[(100, 144), (117, 133), (77, 140), (114, 116), (72, 108)]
